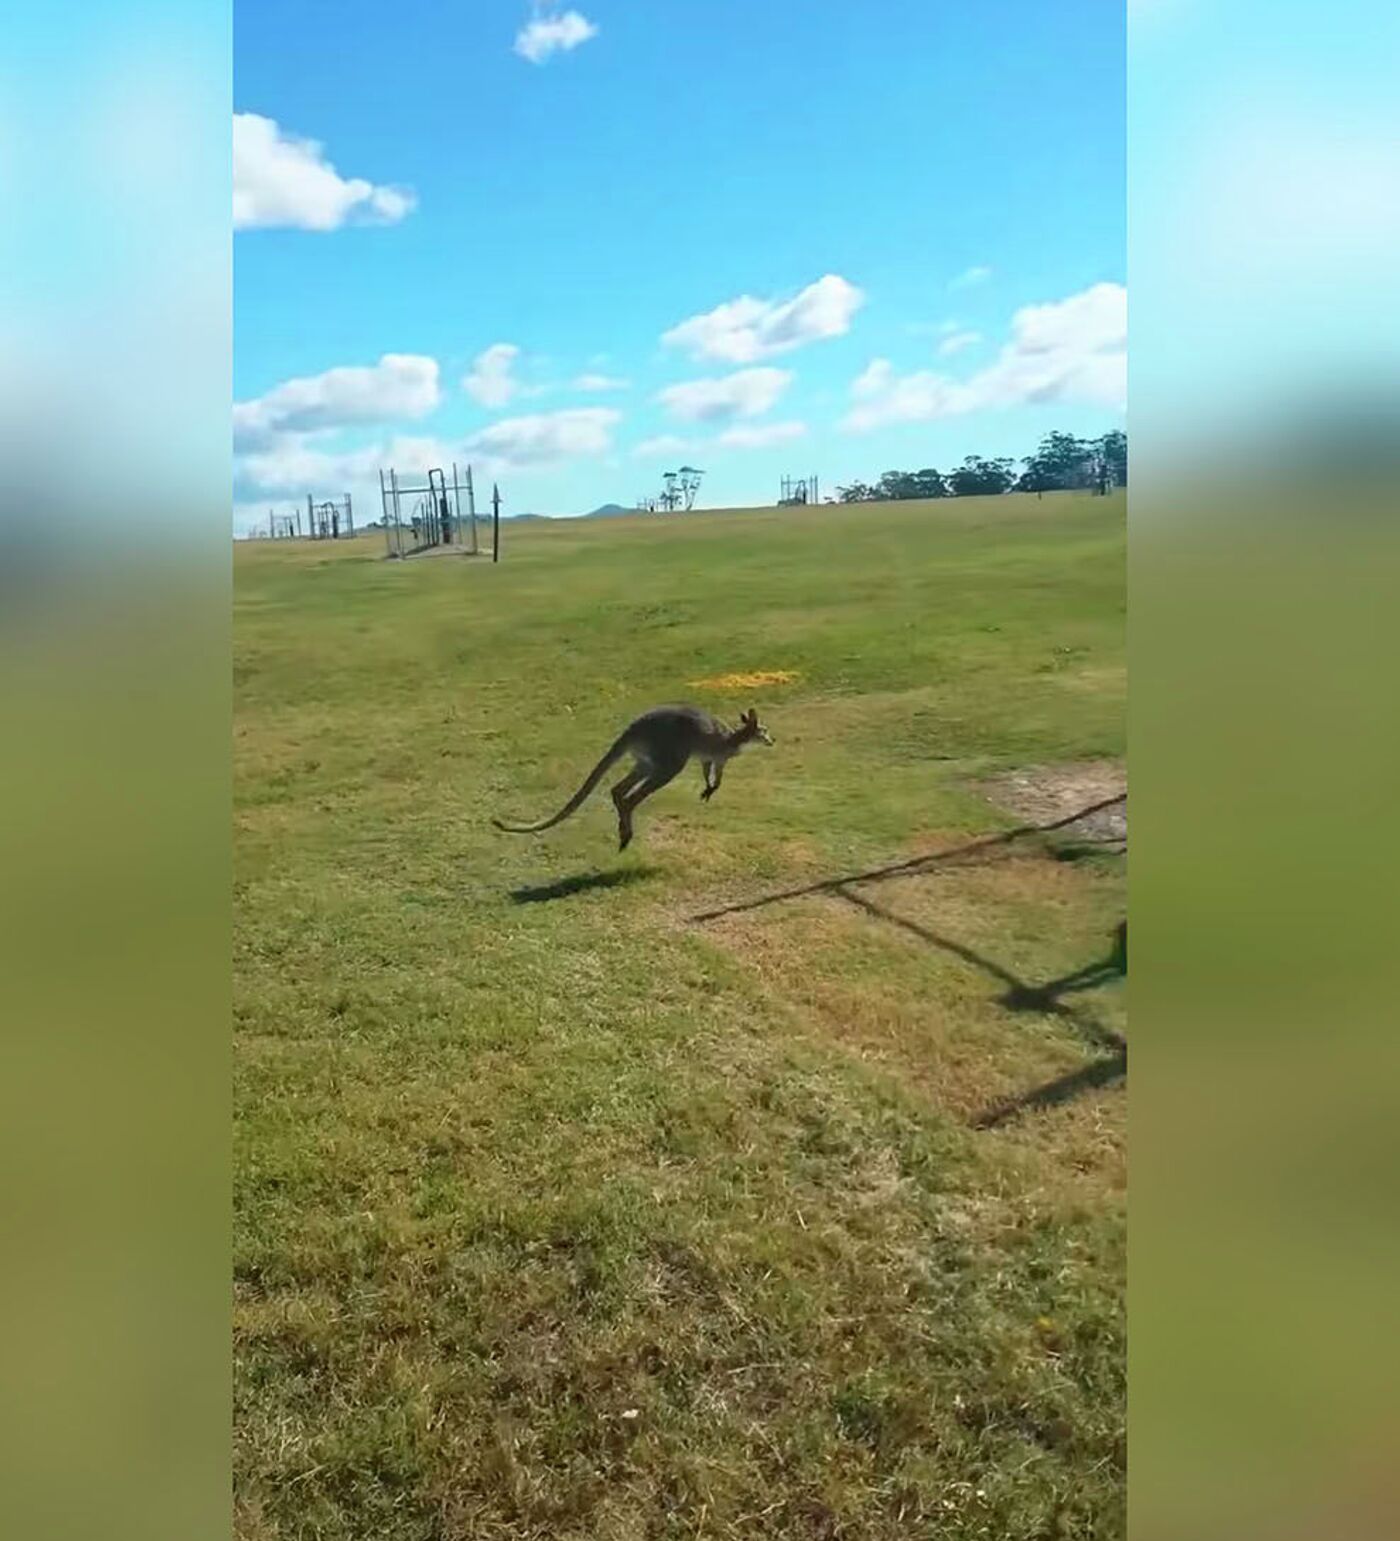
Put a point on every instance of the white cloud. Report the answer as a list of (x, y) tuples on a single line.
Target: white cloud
[(400, 385), (956, 342), (411, 454), (874, 379), (294, 465), (283, 181), (761, 436), (745, 330), (748, 393), (970, 276), (1072, 350), (547, 35), (491, 381), (884, 397), (547, 436), (600, 382), (1095, 321), (662, 446)]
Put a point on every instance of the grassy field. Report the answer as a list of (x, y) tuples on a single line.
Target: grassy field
[(562, 1213)]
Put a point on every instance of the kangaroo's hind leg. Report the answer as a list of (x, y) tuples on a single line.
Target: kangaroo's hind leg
[(653, 780), (620, 793)]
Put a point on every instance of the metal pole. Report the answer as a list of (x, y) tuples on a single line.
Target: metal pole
[(431, 512), (456, 503), (349, 518), (471, 508), (495, 523)]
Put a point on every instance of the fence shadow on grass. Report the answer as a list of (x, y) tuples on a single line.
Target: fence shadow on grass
[(1019, 994), (1107, 1070), (1046, 997), (915, 864), (1099, 1072)]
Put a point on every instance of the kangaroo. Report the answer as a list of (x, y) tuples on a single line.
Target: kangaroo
[(661, 742)]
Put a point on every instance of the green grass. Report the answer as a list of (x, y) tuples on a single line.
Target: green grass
[(571, 1217)]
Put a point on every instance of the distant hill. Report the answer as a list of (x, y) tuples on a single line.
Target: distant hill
[(609, 511)]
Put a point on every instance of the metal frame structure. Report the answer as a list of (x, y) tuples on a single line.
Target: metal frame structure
[(330, 519), (435, 519), (802, 491)]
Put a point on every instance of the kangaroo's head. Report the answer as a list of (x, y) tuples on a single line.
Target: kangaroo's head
[(752, 731)]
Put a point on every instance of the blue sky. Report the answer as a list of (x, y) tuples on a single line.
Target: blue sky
[(919, 207)]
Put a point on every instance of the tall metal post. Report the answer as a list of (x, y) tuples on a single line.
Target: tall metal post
[(495, 523), (457, 502), (471, 508), (439, 525)]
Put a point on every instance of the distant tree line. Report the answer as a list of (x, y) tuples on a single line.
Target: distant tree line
[(1062, 463)]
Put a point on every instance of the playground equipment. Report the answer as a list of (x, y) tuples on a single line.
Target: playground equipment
[(435, 518), (330, 520), (801, 491)]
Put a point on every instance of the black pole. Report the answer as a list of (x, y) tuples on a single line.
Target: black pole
[(495, 523)]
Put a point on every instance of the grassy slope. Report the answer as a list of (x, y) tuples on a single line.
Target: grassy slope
[(567, 1217)]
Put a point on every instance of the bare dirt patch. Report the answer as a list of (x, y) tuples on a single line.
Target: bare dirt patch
[(1044, 794)]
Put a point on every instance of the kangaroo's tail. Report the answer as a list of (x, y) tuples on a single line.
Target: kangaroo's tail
[(579, 797)]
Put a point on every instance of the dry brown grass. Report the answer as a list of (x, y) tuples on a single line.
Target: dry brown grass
[(910, 975), (754, 679)]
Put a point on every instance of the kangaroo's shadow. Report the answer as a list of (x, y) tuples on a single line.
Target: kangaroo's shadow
[(579, 883)]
